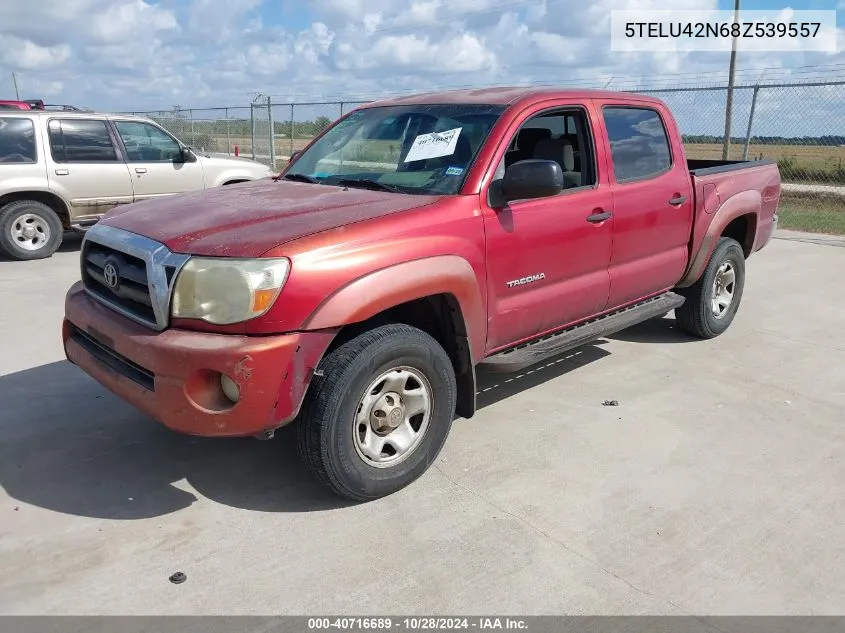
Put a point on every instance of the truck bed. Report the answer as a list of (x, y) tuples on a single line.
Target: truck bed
[(705, 167), (723, 186)]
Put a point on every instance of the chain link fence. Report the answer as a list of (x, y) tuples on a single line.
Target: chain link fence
[(213, 130), (799, 125)]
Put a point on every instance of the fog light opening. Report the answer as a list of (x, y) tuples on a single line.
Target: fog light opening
[(230, 388)]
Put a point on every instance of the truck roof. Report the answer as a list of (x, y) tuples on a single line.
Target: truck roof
[(507, 96)]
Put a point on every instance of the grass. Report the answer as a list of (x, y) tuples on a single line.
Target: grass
[(811, 219), (819, 156), (812, 212), (815, 164)]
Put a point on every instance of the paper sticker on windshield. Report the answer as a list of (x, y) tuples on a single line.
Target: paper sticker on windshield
[(454, 171), (433, 145)]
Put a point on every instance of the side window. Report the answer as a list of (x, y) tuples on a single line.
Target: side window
[(81, 141), (562, 136), (639, 145), (17, 140), (147, 143)]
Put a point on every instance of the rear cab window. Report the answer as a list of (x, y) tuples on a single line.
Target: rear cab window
[(17, 141), (639, 144), (81, 141)]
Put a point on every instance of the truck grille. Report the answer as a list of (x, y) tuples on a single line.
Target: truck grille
[(124, 283), (130, 273)]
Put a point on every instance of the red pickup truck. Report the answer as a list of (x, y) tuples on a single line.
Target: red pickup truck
[(415, 239)]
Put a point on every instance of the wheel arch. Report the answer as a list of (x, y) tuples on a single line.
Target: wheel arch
[(439, 295), (737, 218), (56, 203)]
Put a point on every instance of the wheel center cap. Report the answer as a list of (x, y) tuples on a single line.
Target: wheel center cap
[(387, 413), (29, 232)]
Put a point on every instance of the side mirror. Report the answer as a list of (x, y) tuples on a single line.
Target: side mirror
[(187, 155), (532, 178)]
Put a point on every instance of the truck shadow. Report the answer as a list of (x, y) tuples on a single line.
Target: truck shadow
[(71, 242), (70, 446), (663, 330)]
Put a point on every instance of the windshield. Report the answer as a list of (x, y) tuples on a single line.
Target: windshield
[(422, 149)]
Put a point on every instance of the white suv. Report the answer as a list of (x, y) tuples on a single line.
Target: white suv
[(63, 170)]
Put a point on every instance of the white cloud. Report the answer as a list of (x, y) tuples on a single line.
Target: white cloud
[(26, 55), (150, 54), (130, 20)]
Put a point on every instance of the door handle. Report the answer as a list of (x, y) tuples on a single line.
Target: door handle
[(140, 170), (62, 172), (677, 200), (599, 217)]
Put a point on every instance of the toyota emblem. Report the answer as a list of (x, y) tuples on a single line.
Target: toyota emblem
[(111, 276)]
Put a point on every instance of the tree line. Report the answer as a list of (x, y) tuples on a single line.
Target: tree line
[(706, 139)]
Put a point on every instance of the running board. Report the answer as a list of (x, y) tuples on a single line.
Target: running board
[(536, 351), (82, 227)]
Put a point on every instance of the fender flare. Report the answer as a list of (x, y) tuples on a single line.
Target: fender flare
[(388, 287), (744, 203)]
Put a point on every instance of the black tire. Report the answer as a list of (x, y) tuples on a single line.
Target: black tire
[(327, 425), (40, 218), (695, 316)]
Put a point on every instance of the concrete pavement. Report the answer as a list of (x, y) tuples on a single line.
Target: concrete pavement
[(715, 487)]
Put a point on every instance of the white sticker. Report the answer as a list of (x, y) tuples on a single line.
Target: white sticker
[(433, 145)]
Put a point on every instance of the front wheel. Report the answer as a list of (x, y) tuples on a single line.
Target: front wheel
[(378, 412), (711, 302), (29, 230)]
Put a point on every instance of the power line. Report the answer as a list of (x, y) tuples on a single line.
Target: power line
[(626, 82)]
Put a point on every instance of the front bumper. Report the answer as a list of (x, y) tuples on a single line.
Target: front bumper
[(174, 375)]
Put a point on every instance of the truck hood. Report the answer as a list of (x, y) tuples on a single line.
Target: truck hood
[(248, 219)]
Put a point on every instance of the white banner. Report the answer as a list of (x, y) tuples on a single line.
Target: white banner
[(777, 30)]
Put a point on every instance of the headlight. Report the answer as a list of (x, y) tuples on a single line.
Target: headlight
[(222, 290)]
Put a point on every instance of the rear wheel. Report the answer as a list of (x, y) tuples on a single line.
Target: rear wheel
[(29, 230), (711, 302), (377, 417)]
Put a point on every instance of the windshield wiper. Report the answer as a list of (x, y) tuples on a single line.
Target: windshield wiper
[(367, 183), (301, 178)]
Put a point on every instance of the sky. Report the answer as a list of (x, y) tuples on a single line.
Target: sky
[(155, 54)]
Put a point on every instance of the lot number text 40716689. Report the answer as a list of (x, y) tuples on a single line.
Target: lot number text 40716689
[(417, 624)]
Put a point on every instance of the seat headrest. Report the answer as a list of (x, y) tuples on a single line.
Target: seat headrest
[(529, 136), (559, 150)]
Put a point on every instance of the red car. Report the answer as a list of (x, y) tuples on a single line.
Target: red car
[(413, 240), (15, 105)]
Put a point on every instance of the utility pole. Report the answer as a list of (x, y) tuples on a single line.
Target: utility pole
[(15, 81), (730, 100)]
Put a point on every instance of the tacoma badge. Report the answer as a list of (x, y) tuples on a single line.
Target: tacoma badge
[(526, 280)]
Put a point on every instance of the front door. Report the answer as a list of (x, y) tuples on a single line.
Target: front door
[(155, 161), (547, 258)]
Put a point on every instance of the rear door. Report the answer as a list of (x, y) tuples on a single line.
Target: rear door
[(652, 200), (547, 258), (155, 161), (85, 166)]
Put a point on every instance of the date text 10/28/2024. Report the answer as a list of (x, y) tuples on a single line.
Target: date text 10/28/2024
[(417, 624)]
